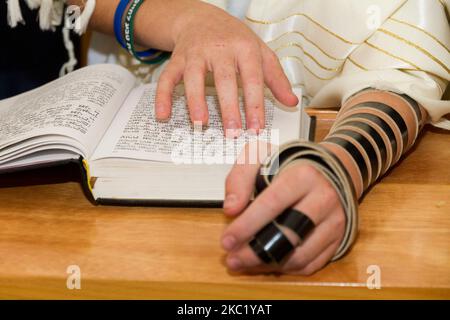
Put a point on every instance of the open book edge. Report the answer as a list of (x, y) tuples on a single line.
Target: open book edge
[(142, 181)]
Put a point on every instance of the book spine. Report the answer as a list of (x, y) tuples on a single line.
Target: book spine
[(86, 181)]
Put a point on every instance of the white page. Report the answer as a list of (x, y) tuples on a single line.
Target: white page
[(18, 149), (80, 105), (40, 158), (135, 132)]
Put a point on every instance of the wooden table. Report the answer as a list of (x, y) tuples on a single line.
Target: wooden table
[(47, 224)]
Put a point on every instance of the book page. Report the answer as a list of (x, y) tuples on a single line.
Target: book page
[(80, 105), (135, 133)]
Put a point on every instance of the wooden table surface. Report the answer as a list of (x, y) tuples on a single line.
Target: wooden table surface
[(47, 224)]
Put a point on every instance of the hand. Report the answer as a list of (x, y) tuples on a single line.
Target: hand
[(299, 186), (208, 39)]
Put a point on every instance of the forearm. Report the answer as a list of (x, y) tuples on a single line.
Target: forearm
[(372, 131), (158, 22)]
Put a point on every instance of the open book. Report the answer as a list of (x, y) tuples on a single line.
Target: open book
[(99, 117)]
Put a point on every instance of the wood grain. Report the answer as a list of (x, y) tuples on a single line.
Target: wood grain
[(48, 224)]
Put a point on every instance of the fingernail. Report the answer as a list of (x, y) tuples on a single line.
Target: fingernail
[(198, 115), (230, 201), (199, 126), (228, 243), (296, 98), (254, 124), (234, 263), (159, 110), (232, 129), (162, 119)]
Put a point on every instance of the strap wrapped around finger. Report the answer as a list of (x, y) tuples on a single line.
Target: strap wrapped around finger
[(326, 163), (297, 221), (271, 244)]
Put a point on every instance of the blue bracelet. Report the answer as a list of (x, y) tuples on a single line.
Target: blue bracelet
[(118, 16), (128, 35)]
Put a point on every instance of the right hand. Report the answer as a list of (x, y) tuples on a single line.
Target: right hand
[(299, 186)]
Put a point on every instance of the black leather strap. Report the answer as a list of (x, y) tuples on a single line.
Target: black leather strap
[(260, 252), (270, 244), (384, 127), (375, 136), (260, 184), (270, 241), (366, 145), (413, 103), (357, 156), (297, 221), (392, 113)]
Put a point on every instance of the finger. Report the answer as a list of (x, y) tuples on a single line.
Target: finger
[(329, 230), (227, 90), (239, 187), (289, 187), (169, 78), (276, 79), (194, 82), (320, 261), (240, 182), (250, 69), (245, 259)]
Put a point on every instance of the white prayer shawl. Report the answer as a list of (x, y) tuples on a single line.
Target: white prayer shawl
[(51, 14), (336, 48)]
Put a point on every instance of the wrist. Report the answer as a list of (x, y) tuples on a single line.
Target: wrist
[(184, 21), (159, 22), (197, 16)]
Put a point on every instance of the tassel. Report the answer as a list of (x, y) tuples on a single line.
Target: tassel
[(71, 63), (33, 4), (85, 17), (14, 13), (45, 13), (57, 12)]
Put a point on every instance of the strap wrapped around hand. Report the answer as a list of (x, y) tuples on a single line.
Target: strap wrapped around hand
[(332, 169)]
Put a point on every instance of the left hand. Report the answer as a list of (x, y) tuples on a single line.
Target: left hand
[(299, 186), (207, 39)]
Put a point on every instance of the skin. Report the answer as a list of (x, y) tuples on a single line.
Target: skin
[(299, 186), (202, 39), (205, 39)]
